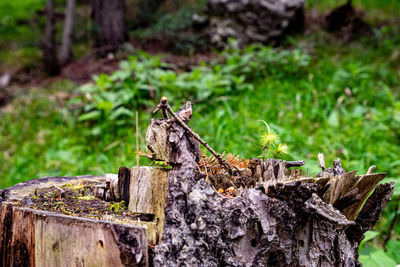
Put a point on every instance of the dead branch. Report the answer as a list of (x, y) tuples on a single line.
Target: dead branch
[(164, 106)]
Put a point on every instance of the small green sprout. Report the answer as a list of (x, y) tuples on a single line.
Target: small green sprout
[(270, 144), (117, 206)]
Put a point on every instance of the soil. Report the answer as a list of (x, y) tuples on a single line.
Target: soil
[(81, 71)]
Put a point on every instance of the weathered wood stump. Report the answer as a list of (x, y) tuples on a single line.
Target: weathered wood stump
[(280, 218), (146, 194), (32, 237), (272, 215)]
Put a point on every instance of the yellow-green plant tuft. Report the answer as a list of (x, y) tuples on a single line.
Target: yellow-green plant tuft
[(270, 143)]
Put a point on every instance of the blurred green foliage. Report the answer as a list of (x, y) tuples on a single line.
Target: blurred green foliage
[(19, 34), (15, 18), (318, 93)]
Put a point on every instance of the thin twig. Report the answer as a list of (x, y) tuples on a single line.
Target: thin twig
[(295, 163), (321, 161), (137, 138), (164, 113), (164, 104)]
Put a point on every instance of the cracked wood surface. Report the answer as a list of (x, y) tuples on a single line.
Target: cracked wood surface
[(38, 238)]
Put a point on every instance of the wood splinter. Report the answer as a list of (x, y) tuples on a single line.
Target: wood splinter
[(165, 107)]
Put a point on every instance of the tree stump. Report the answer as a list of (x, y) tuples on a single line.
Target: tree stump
[(279, 218), (146, 194), (33, 237)]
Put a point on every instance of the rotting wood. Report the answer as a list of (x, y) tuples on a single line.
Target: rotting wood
[(17, 192), (124, 181), (148, 195), (365, 184), (37, 238)]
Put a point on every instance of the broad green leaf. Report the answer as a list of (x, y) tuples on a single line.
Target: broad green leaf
[(95, 114), (105, 105), (382, 259), (367, 261), (376, 258), (120, 112), (393, 250), (368, 236)]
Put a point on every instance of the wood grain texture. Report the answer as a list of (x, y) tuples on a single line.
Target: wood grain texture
[(39, 238), (148, 194)]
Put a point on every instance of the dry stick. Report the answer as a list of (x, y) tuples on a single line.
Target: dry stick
[(161, 106), (164, 113), (297, 163), (137, 138), (321, 161), (164, 104)]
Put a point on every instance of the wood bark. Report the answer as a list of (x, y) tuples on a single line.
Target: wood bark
[(109, 25), (65, 54), (50, 58)]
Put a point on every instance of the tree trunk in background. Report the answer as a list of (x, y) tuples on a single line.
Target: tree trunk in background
[(50, 59), (66, 46), (109, 25)]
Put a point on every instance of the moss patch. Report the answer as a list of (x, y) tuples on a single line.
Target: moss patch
[(78, 200)]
